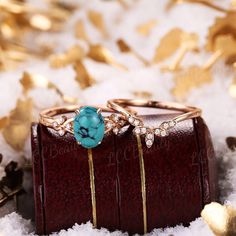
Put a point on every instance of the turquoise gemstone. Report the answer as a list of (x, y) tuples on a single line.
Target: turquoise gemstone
[(89, 127)]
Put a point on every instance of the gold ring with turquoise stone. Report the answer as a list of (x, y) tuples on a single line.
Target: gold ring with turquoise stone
[(88, 124)]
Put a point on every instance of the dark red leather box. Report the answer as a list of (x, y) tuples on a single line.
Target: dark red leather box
[(175, 180)]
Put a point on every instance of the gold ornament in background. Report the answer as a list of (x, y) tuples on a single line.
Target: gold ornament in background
[(101, 54), (20, 19), (231, 143), (175, 41), (3, 122), (82, 76), (73, 54), (142, 94), (125, 48), (220, 219), (32, 81), (221, 39), (97, 21), (145, 28), (80, 32), (17, 129), (190, 78), (233, 3), (207, 3)]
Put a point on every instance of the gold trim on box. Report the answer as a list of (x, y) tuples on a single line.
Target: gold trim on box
[(92, 187), (143, 183)]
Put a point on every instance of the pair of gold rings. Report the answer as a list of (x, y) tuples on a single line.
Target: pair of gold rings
[(89, 124)]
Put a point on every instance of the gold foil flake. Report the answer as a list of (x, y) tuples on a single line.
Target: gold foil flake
[(233, 3), (186, 80), (96, 19), (31, 81), (17, 130), (125, 48), (222, 26), (169, 44), (82, 76), (41, 22), (231, 143), (80, 31), (101, 54), (145, 29), (232, 88), (189, 42), (220, 219), (3, 122), (226, 44), (206, 3), (73, 54), (142, 94)]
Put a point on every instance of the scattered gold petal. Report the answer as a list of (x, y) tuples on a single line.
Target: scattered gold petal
[(18, 128), (73, 54), (206, 3), (31, 81), (169, 44), (96, 19), (233, 3), (82, 76), (226, 44), (142, 94), (3, 122), (145, 29), (220, 219), (191, 78), (231, 143), (222, 26), (125, 48), (232, 88), (80, 31), (41, 22), (102, 54), (189, 42)]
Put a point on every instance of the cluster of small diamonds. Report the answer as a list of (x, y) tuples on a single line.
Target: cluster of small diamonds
[(62, 126), (150, 133), (115, 122)]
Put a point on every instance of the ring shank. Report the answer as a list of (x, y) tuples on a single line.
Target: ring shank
[(189, 111)]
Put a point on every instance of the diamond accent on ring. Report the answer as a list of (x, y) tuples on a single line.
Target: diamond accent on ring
[(131, 120), (137, 130)]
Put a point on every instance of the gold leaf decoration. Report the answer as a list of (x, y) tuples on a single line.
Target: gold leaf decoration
[(226, 44), (232, 88), (145, 29), (233, 3), (3, 122), (169, 44), (142, 94), (192, 77), (31, 81), (222, 26), (96, 19), (18, 128), (220, 219), (75, 53), (125, 48), (231, 143), (101, 54), (82, 76), (206, 3), (80, 31), (188, 42)]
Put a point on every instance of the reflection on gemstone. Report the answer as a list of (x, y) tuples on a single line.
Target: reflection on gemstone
[(89, 127)]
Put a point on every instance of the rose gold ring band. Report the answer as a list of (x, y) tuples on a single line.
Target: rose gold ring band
[(120, 104)]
